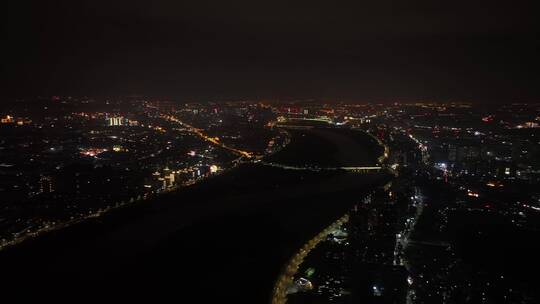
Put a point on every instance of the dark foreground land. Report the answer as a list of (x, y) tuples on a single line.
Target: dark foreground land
[(225, 239)]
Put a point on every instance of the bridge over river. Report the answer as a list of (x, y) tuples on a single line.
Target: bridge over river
[(224, 239)]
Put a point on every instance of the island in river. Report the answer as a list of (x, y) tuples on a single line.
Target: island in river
[(224, 239)]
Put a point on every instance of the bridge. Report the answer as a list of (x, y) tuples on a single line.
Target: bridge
[(289, 123), (427, 243), (363, 169)]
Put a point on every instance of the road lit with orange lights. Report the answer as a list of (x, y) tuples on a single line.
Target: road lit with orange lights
[(213, 140), (286, 279)]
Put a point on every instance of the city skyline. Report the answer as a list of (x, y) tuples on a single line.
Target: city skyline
[(321, 202), (283, 152)]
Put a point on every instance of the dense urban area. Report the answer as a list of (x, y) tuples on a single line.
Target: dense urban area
[(453, 223)]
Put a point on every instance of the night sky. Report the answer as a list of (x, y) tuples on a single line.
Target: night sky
[(202, 50)]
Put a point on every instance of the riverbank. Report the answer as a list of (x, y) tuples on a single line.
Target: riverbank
[(223, 239)]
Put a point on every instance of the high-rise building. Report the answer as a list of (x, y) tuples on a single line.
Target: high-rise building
[(116, 121), (452, 153), (46, 184)]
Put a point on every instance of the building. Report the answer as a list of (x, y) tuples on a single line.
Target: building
[(7, 119), (46, 184), (116, 121)]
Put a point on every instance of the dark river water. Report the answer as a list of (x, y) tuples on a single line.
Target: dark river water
[(222, 240)]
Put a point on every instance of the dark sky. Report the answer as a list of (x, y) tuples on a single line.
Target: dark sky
[(360, 50)]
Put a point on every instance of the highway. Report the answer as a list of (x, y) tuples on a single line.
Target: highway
[(384, 156), (212, 140), (286, 279), (239, 225)]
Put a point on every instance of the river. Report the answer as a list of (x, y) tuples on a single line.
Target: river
[(225, 239)]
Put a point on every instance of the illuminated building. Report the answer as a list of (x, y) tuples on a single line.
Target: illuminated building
[(163, 183), (45, 184), (116, 121), (7, 119), (169, 179)]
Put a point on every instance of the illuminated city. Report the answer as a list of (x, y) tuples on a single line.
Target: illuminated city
[(247, 152)]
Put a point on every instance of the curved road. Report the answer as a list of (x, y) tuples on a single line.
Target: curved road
[(224, 239)]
